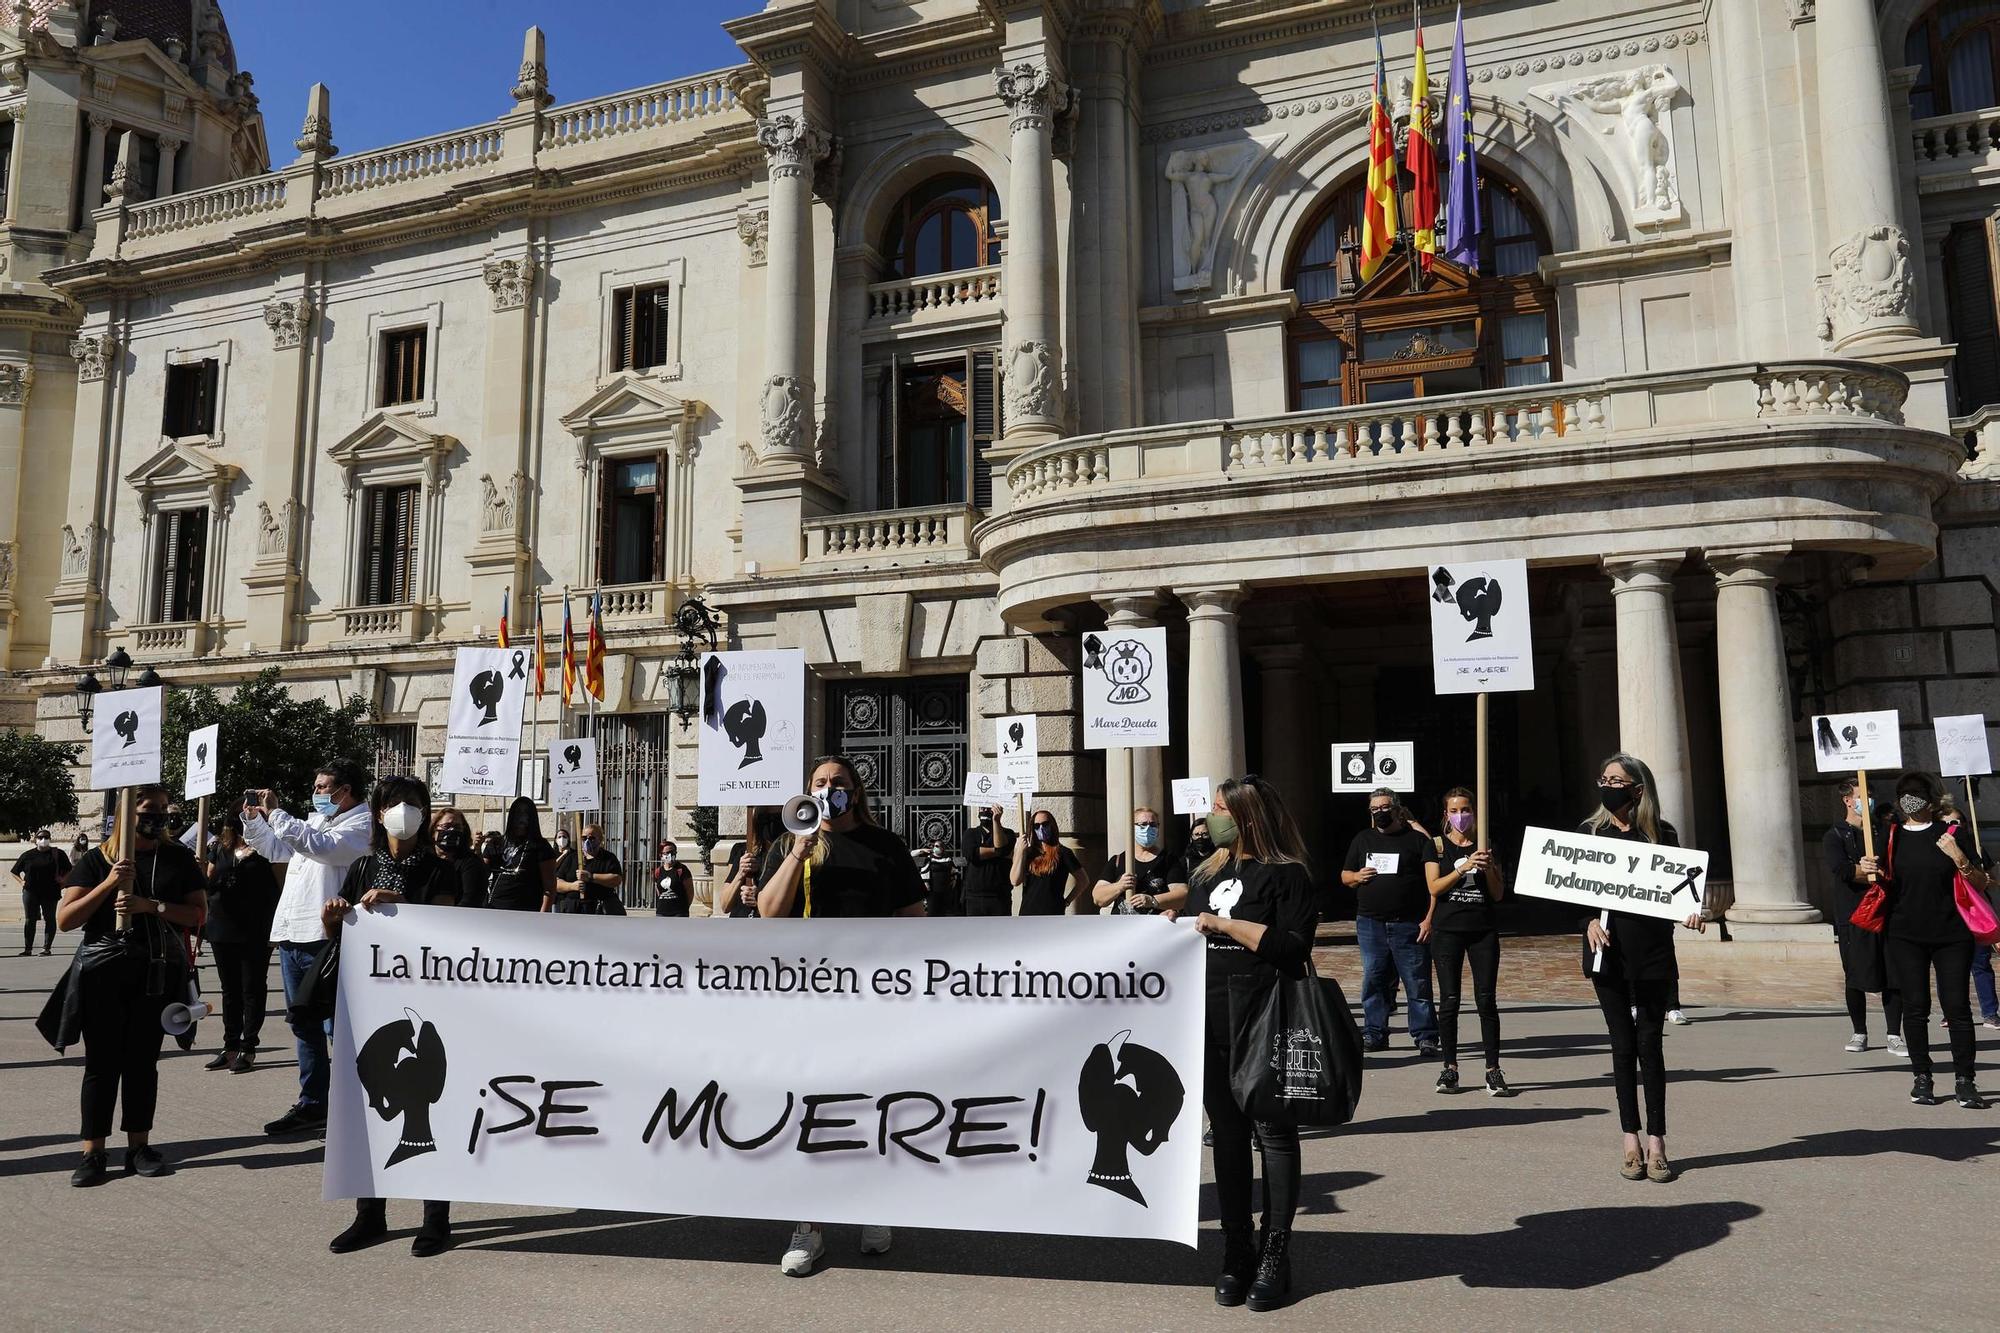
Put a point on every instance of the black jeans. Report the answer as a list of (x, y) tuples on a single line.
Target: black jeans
[(35, 905), (1636, 1049), (1910, 967), (1450, 949), (121, 1047), (987, 905), (243, 975), (1892, 1010), (1231, 1131)]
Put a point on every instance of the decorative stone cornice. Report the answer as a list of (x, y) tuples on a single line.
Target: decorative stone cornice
[(792, 144), (510, 281), (16, 378), (1032, 93), (288, 320), (93, 353)]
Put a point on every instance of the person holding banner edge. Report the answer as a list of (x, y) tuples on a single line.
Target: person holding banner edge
[(402, 866), (1156, 882), (1861, 961), (1630, 960), (1462, 926), (847, 867)]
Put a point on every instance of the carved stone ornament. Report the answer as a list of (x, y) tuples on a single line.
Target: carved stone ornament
[(753, 228), (76, 550), (16, 378), (6, 566), (793, 144), (1871, 278), (1032, 93), (93, 354), (1204, 183), (1421, 345), (498, 505), (509, 280), (532, 83), (783, 409), (1629, 110), (270, 533), (287, 320), (1032, 390), (316, 136)]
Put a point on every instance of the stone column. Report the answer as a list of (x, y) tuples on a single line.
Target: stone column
[(273, 581), (16, 379), (1149, 763), (1033, 362), (170, 147), (1104, 66), (1215, 683), (1652, 716), (794, 145), (1292, 758), (1759, 755), (499, 554), (93, 165), (1867, 295), (16, 161)]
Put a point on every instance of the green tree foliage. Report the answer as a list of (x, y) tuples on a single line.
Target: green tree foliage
[(268, 738), (37, 782)]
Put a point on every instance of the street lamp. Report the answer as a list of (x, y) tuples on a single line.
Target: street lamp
[(697, 625), (116, 666), (87, 690)]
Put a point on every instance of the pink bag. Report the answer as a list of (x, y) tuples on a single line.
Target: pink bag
[(1974, 910)]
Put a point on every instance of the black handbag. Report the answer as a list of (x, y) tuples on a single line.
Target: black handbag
[(312, 1002), (1296, 1058)]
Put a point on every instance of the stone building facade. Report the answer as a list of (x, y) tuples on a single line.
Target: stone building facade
[(941, 331)]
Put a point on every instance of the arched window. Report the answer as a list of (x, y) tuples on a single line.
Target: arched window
[(1956, 49), (942, 226), (1355, 342)]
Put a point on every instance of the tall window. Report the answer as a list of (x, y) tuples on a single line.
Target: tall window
[(1975, 320), (179, 557), (943, 225), (633, 516), (639, 327), (1956, 49), (937, 420), (389, 545), (1380, 341), (190, 404), (403, 352), (7, 161)]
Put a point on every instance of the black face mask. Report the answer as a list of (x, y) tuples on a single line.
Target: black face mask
[(451, 840), (149, 826), (1617, 799), (1382, 819), (1201, 847)]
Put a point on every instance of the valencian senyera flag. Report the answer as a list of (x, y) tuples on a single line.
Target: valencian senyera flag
[(1462, 223), (568, 656), (1378, 210), (503, 617), (541, 653), (1420, 156), (593, 651)]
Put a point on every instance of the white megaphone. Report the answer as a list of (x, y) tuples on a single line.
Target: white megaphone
[(802, 815), (179, 1018)]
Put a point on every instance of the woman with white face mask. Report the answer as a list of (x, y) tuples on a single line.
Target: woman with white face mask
[(403, 867)]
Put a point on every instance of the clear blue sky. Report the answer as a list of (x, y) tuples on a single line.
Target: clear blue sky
[(403, 69)]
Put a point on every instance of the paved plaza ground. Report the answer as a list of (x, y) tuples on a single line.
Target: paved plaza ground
[(1814, 1196)]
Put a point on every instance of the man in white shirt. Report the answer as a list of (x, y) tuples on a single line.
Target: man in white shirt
[(319, 849)]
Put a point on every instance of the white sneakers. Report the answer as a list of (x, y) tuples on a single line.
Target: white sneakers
[(808, 1244), (808, 1247), (1897, 1046), (1858, 1042), (1678, 1017)]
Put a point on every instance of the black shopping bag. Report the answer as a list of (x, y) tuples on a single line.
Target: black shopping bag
[(1298, 1055)]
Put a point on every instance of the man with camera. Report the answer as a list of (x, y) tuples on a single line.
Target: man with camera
[(318, 850)]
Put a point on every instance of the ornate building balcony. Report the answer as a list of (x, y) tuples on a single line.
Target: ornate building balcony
[(890, 538), (939, 300), (187, 638), (361, 626), (1956, 151), (1793, 455), (635, 605)]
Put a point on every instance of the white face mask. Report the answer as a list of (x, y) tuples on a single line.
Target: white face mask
[(402, 821)]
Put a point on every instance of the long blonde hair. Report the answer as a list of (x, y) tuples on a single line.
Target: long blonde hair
[(110, 847), (1646, 818), (1265, 830), (782, 844)]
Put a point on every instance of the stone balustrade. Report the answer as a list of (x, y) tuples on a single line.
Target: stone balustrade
[(441, 155), (180, 639), (1965, 139), (891, 536), (218, 204), (967, 291), (641, 109), (378, 624), (625, 603)]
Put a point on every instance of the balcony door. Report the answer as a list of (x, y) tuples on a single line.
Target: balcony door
[(936, 419)]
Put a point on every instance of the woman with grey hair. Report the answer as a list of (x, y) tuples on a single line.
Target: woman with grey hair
[(1638, 979)]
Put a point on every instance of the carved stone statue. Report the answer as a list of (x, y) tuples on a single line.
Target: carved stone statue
[(1203, 181), (76, 550), (496, 507), (1870, 282), (1630, 107), (783, 410), (270, 530)]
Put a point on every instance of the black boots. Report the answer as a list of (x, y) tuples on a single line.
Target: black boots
[(1239, 1265), (1272, 1287), (371, 1224), (435, 1234)]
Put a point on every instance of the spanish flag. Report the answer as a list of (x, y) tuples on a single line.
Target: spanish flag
[(503, 617), (541, 654), (1420, 155), (1378, 212), (593, 653), (568, 656)]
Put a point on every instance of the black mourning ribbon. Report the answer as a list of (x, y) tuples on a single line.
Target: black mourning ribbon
[(711, 691), (1688, 884), (518, 673)]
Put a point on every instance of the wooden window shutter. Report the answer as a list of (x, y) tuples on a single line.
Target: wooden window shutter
[(885, 435), (1975, 325), (406, 534), (193, 562), (659, 515), (205, 386), (982, 424), (169, 563), (606, 505), (621, 329)]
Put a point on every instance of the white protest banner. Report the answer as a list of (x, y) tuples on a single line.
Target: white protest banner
[(1961, 746), (753, 727), (125, 741), (1125, 689), (1193, 796), (201, 762), (573, 774), (1482, 639), (1016, 742), (482, 743), (983, 790), (1612, 874), (1851, 742), (993, 1075), (1362, 766)]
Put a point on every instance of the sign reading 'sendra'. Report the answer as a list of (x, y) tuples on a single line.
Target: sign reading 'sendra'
[(994, 1075)]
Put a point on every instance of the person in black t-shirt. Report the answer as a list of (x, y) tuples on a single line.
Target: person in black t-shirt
[(1639, 978), (847, 867), (1048, 874), (597, 891), (1462, 925), (451, 835), (989, 852), (1925, 933), (524, 880), (673, 883), (242, 899), (119, 981), (1157, 881), (940, 876), (1256, 908), (762, 826), (1385, 868), (1851, 871), (41, 870)]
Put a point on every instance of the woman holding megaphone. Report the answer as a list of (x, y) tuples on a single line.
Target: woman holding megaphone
[(121, 981), (848, 866)]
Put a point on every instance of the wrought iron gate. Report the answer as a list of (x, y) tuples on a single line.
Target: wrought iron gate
[(634, 755), (907, 739)]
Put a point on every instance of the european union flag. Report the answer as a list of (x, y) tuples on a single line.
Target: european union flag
[(1462, 224)]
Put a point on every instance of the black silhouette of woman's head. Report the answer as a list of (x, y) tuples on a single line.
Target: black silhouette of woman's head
[(1130, 1096), (744, 724), (487, 690), (402, 1068)]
